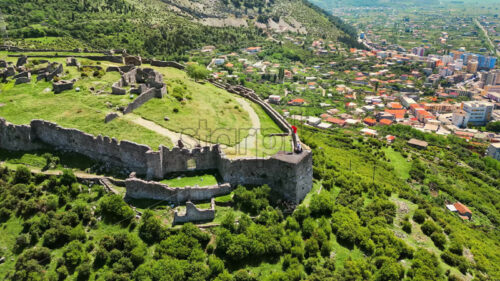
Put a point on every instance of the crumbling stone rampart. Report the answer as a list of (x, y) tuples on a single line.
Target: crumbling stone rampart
[(110, 58), (140, 189), (166, 64), (251, 95), (193, 214), (140, 100), (17, 137), (150, 86), (288, 174)]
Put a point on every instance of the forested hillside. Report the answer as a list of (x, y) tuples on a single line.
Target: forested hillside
[(161, 28), (376, 212)]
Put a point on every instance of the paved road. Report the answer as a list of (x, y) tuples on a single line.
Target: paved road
[(487, 36)]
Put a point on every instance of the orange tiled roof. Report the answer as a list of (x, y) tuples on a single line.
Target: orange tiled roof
[(385, 122), (461, 208), (398, 113), (370, 121)]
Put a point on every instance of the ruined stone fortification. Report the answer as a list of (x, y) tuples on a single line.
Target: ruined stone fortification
[(160, 63), (141, 189), (288, 174), (193, 214), (110, 58), (150, 85)]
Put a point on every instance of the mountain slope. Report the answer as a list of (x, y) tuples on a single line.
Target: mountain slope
[(168, 27)]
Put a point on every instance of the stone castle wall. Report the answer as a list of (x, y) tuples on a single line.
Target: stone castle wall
[(141, 189), (164, 63), (193, 214), (16, 137), (140, 100), (116, 59), (288, 174), (176, 159), (124, 154), (251, 95)]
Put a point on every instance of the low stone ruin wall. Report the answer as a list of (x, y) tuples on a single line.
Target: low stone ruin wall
[(17, 49), (140, 100), (151, 86), (165, 63), (116, 59), (140, 189), (193, 214)]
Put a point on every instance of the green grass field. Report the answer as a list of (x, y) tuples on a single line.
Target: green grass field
[(200, 180), (207, 113), (401, 165), (263, 145), (204, 111), (84, 110)]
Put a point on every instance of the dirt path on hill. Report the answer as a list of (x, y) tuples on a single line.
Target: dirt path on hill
[(173, 136), (245, 144), (251, 140)]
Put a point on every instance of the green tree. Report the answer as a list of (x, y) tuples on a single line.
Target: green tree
[(115, 209), (22, 175), (150, 229), (493, 127), (419, 216), (197, 72), (439, 239), (73, 254)]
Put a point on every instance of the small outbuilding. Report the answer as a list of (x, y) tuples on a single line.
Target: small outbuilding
[(463, 211), (420, 144)]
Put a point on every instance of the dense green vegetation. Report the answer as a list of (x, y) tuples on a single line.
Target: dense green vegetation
[(117, 24), (363, 220)]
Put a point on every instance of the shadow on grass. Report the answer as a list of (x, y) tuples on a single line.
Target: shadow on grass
[(193, 174), (71, 160)]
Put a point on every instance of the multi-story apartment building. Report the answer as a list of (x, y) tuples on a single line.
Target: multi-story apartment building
[(478, 112)]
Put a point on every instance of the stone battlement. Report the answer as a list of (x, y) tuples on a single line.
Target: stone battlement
[(288, 174)]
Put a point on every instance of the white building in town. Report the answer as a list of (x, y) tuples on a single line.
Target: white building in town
[(478, 112), (494, 151)]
